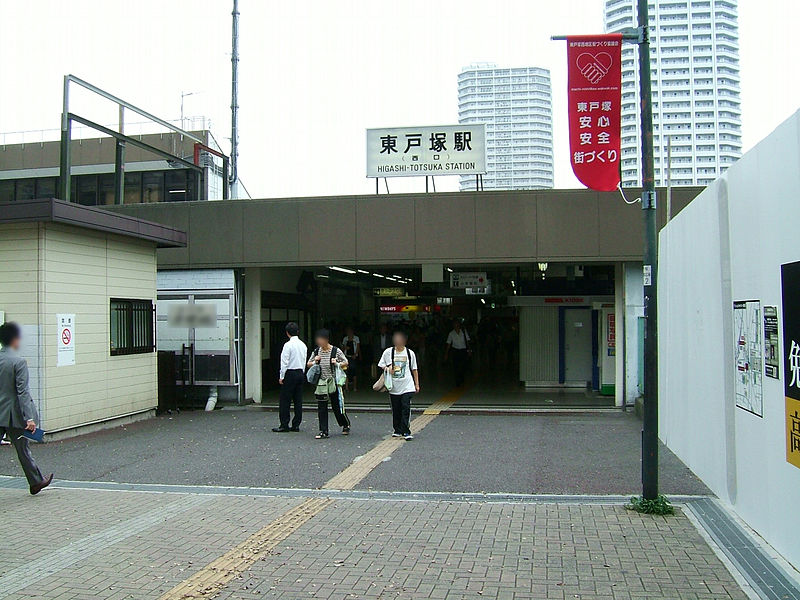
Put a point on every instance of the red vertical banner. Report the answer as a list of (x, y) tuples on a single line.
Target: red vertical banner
[(594, 92)]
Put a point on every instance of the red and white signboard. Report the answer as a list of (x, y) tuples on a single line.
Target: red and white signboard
[(66, 340), (595, 82)]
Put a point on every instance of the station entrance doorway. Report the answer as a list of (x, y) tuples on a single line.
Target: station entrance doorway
[(532, 333)]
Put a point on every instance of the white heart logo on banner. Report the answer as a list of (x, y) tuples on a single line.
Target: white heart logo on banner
[(594, 66)]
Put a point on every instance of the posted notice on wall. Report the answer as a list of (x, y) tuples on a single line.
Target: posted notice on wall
[(66, 340), (790, 294), (749, 357)]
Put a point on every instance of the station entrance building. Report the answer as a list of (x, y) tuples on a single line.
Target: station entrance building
[(548, 283)]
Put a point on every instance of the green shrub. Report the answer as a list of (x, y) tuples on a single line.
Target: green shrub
[(658, 506)]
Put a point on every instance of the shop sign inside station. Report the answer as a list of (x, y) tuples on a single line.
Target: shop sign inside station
[(406, 308), (388, 292)]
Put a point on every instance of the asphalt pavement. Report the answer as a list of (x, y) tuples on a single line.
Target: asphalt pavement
[(570, 453)]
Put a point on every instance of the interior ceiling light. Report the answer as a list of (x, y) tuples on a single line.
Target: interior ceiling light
[(343, 270), (363, 271)]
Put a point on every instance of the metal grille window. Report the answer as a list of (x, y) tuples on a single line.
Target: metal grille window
[(132, 326)]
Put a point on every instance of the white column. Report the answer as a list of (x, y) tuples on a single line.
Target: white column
[(252, 333), (634, 309), (619, 322)]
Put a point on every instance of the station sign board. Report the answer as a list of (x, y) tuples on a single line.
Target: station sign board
[(481, 290), (428, 150), (468, 279)]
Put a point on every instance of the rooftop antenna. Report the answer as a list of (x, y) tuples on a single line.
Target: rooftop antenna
[(234, 177)]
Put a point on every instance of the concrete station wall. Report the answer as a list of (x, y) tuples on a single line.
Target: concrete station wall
[(55, 269), (728, 245), (458, 228)]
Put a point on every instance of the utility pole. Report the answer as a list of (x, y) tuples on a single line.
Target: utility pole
[(234, 176), (650, 415), (641, 36)]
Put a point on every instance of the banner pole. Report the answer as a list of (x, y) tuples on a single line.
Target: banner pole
[(650, 412)]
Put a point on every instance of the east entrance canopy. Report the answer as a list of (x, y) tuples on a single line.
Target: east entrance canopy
[(429, 150)]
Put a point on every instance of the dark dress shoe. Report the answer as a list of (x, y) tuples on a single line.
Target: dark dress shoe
[(281, 429), (294, 429), (35, 489)]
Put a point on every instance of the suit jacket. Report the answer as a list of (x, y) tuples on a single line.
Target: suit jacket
[(16, 404)]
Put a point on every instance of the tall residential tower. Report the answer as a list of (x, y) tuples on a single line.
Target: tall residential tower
[(696, 103), (516, 106)]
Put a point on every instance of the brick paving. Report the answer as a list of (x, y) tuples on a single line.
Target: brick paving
[(367, 549), (115, 545)]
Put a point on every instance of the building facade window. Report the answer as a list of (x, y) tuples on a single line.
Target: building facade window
[(132, 326)]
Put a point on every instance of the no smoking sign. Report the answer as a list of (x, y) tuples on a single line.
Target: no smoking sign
[(66, 340)]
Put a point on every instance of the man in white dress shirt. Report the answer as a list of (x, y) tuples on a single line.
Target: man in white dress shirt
[(458, 348), (292, 378)]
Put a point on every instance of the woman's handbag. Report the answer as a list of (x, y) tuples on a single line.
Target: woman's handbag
[(314, 374)]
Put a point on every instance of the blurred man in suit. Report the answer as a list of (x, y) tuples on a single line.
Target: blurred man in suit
[(17, 410)]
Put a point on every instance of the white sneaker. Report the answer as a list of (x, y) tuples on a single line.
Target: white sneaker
[(408, 437), (397, 435)]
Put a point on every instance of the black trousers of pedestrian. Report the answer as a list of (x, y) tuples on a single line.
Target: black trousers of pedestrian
[(292, 391), (322, 411), (460, 365), (401, 412), (32, 472)]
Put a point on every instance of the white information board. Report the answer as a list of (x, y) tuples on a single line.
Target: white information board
[(428, 150), (66, 340)]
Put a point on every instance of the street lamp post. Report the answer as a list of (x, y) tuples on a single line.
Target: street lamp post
[(650, 412)]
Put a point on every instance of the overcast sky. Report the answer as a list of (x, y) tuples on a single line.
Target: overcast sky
[(315, 73)]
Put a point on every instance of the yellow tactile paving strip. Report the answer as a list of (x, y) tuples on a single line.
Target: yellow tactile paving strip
[(209, 580)]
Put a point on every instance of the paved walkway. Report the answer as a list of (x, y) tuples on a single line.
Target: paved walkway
[(101, 544), (104, 540)]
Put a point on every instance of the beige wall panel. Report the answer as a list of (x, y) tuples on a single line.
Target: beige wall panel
[(506, 226), (445, 226), (271, 233), (385, 229)]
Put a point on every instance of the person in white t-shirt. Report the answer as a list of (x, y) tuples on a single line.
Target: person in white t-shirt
[(401, 363)]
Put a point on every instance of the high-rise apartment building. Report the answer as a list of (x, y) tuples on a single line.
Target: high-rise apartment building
[(516, 106), (696, 98)]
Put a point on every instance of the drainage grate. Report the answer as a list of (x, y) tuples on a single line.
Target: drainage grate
[(761, 571)]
